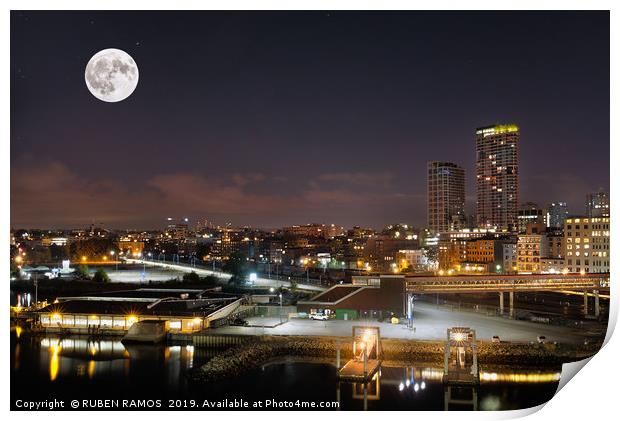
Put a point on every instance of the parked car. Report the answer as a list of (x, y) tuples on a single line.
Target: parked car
[(495, 339), (319, 316), (541, 339)]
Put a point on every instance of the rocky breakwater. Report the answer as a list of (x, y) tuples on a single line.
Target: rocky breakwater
[(238, 360)]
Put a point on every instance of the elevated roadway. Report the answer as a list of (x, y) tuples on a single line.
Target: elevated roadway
[(506, 283), (587, 284), (223, 276)]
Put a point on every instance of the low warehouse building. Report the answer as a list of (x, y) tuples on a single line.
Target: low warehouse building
[(366, 297), (182, 310)]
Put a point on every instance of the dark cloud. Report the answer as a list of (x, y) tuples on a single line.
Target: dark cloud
[(51, 195)]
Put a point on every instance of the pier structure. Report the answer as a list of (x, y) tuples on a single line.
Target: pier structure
[(367, 355), (461, 357), (363, 370), (461, 375)]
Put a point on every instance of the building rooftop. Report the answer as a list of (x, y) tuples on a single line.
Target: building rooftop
[(145, 301), (497, 129), (152, 294)]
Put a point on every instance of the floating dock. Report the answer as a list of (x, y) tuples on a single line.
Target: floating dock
[(367, 355), (353, 371)]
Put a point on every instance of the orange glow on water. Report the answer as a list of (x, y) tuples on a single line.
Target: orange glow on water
[(54, 361)]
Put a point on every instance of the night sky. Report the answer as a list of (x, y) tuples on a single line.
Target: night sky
[(276, 118)]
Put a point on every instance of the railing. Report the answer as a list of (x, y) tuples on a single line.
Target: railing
[(266, 311), (444, 284)]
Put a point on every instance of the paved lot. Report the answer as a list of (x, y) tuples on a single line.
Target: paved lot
[(268, 322), (430, 324), (134, 276)]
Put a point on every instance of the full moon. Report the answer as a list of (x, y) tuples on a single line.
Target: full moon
[(111, 75)]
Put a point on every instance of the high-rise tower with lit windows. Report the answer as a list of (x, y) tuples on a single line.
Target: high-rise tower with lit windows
[(497, 176), (446, 196)]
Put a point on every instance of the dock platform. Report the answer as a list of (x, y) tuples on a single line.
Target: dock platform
[(457, 376), (353, 371)]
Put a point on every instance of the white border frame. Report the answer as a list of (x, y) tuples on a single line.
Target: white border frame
[(591, 394)]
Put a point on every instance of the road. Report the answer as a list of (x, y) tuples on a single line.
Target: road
[(430, 324), (259, 282), (554, 304), (134, 275)]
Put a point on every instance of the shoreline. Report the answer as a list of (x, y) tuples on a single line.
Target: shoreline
[(238, 360)]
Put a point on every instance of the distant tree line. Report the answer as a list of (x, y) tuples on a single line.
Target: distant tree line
[(194, 278)]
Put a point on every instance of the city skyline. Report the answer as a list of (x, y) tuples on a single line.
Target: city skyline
[(243, 126)]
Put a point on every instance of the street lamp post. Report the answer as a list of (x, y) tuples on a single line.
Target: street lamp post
[(36, 290), (280, 307), (143, 266), (115, 260)]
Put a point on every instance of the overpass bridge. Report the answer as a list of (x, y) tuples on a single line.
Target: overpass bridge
[(506, 283), (591, 284)]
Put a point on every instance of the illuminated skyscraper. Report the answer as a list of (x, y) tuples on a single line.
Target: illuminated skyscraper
[(446, 196), (497, 176)]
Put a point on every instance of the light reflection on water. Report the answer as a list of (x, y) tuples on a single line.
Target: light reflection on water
[(435, 373), (77, 363), (79, 356), (182, 357)]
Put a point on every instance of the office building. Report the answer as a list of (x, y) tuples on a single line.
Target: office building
[(509, 251), (452, 246), (530, 213), (597, 204), (413, 260), (485, 253), (531, 248), (557, 212), (587, 245)]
